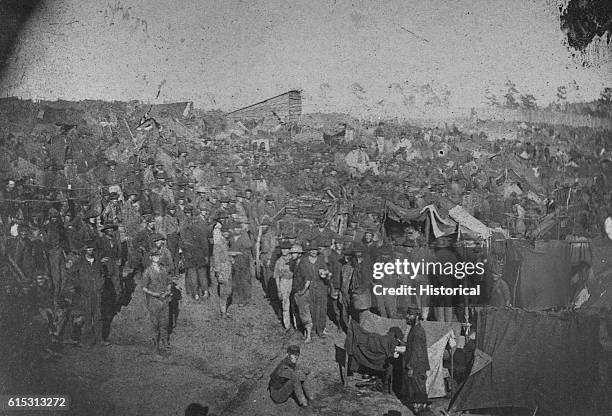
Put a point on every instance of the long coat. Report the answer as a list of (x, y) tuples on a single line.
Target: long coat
[(416, 356), (194, 243)]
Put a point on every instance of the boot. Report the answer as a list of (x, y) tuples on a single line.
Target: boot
[(307, 338)]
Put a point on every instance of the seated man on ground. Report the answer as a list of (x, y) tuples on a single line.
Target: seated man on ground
[(289, 379)]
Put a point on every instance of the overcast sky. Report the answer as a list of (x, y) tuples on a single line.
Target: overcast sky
[(229, 53)]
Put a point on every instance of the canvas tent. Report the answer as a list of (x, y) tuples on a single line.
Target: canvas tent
[(533, 360), (459, 220), (538, 277), (438, 335)]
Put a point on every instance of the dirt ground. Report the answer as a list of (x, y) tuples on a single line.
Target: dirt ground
[(222, 363)]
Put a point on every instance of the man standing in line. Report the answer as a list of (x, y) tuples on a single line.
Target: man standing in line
[(283, 277), (221, 267), (157, 285), (416, 362), (306, 277), (194, 244), (89, 282)]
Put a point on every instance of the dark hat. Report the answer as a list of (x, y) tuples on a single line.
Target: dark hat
[(225, 200), (188, 208), (225, 228), (413, 310), (358, 247), (396, 332), (157, 237), (285, 245), (111, 163), (172, 206), (323, 242), (269, 198), (161, 175), (90, 243), (296, 248), (114, 195), (23, 227), (311, 246), (293, 349), (150, 161)]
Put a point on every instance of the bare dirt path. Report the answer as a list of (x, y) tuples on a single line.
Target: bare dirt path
[(222, 363)]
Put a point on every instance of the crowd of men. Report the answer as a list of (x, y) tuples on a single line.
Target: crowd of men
[(77, 255)]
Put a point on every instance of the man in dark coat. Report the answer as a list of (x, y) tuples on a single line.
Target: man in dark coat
[(89, 283), (194, 244), (416, 362), (289, 379)]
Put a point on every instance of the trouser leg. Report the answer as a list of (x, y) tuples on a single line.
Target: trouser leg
[(55, 269), (202, 279), (285, 293), (191, 279), (298, 390)]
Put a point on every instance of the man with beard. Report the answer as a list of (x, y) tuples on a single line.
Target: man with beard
[(308, 287), (416, 362)]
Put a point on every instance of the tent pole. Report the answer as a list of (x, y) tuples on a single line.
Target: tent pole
[(535, 411)]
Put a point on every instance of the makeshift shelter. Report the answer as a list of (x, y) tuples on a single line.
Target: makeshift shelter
[(438, 334), (539, 277), (533, 360)]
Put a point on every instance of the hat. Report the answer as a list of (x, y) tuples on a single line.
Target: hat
[(53, 212), (296, 248), (157, 237), (171, 206), (224, 200), (293, 349), (110, 226), (413, 310), (323, 242), (188, 208), (111, 163), (311, 246), (161, 175), (23, 227), (150, 161), (90, 243), (396, 332), (234, 253), (285, 245), (114, 195), (358, 247), (269, 198)]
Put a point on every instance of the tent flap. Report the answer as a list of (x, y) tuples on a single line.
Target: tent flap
[(537, 360)]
